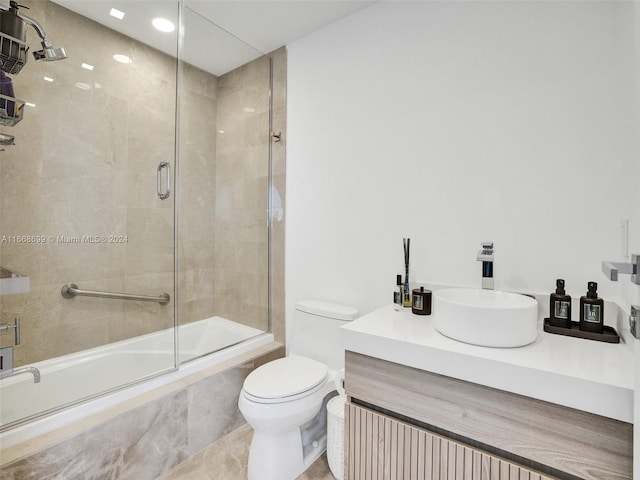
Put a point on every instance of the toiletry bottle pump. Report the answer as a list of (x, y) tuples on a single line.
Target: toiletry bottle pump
[(560, 306)]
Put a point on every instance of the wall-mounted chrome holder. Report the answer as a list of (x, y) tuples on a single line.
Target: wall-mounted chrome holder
[(4, 327), (633, 321), (612, 269), (11, 110)]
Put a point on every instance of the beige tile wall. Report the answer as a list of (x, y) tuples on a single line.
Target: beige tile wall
[(197, 194), (242, 165), (278, 169), (224, 178)]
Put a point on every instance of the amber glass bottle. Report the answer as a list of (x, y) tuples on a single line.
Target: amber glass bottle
[(560, 306), (592, 310)]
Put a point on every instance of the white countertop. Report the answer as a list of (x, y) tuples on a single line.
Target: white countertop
[(593, 376)]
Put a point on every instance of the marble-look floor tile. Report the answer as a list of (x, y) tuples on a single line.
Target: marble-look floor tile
[(319, 470), (227, 459)]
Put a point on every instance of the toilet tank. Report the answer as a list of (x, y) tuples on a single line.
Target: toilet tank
[(316, 331)]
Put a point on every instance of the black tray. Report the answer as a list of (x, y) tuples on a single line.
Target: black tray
[(608, 335)]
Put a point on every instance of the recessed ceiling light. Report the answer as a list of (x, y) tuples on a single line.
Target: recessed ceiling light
[(29, 104), (87, 66), (116, 13), (122, 58), (163, 25), (48, 79), (83, 86)]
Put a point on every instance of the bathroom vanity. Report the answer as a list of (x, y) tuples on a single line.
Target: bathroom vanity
[(423, 406)]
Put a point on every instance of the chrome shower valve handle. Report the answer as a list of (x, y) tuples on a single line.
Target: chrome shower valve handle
[(4, 327)]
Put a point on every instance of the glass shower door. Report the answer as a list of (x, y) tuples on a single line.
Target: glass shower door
[(91, 177), (224, 161)]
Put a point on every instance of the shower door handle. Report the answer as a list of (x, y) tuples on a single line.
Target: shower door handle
[(164, 195)]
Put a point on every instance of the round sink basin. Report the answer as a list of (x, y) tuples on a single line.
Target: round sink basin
[(488, 318)]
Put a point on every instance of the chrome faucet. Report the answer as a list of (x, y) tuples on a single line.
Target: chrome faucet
[(486, 257), (6, 366), (32, 370)]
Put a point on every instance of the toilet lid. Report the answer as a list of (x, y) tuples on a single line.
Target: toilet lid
[(285, 377)]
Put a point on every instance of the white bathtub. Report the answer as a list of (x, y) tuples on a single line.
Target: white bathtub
[(76, 378)]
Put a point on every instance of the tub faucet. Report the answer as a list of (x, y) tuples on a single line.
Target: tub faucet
[(486, 257), (6, 366), (32, 370)]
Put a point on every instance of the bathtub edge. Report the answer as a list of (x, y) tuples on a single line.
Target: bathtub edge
[(39, 443)]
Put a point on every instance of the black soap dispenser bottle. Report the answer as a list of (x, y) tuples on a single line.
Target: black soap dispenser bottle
[(592, 310), (560, 307)]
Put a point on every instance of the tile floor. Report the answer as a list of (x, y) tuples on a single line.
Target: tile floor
[(226, 459)]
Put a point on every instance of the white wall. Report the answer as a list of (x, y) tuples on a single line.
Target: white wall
[(453, 123)]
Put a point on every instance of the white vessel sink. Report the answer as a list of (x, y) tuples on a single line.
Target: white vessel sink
[(488, 318)]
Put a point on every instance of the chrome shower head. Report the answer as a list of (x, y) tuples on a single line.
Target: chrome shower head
[(49, 53)]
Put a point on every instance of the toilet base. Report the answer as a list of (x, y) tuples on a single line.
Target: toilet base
[(280, 456)]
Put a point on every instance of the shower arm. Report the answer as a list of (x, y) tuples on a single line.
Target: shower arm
[(36, 26)]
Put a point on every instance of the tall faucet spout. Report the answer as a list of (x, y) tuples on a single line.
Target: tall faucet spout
[(486, 257)]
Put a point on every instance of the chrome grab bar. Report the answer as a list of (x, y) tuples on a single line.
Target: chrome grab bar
[(70, 290)]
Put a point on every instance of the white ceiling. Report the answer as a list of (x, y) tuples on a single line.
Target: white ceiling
[(218, 35)]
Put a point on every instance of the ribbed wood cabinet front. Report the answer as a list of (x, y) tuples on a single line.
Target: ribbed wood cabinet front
[(553, 439), (380, 447)]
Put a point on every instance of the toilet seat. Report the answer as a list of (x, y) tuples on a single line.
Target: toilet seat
[(285, 380)]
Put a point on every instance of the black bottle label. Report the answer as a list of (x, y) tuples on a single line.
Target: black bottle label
[(592, 313), (561, 309)]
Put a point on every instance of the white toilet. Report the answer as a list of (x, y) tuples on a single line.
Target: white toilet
[(284, 400)]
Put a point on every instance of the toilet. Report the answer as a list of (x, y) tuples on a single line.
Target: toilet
[(285, 400)]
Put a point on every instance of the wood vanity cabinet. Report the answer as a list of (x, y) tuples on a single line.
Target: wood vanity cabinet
[(405, 423)]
